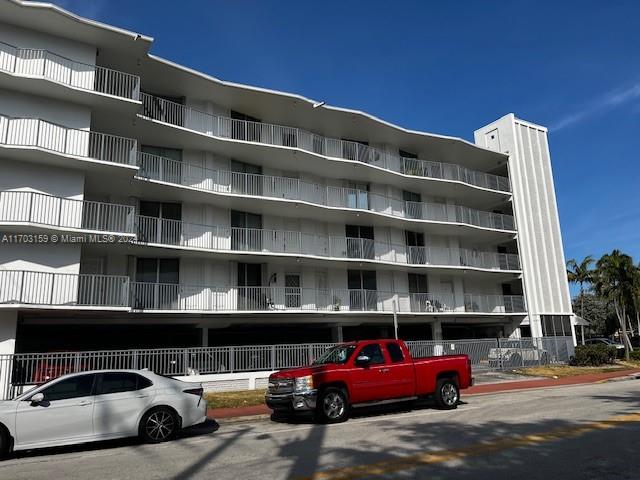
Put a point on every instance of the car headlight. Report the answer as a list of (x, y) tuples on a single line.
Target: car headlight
[(303, 384)]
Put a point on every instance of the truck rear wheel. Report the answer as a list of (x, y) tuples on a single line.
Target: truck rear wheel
[(447, 394), (332, 405)]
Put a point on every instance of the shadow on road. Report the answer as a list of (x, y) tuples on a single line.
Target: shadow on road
[(205, 428)]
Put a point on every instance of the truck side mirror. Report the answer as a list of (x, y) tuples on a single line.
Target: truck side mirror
[(363, 361)]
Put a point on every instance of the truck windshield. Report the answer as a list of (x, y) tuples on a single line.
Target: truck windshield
[(337, 354)]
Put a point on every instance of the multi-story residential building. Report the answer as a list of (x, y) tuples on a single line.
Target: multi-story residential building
[(144, 204)]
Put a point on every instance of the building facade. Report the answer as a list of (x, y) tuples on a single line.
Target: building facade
[(144, 204)]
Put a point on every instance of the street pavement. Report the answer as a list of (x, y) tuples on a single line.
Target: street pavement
[(577, 432)]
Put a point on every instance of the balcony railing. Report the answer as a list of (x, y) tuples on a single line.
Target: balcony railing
[(174, 113), (63, 289), (233, 239), (163, 296), (31, 62), (33, 132), (163, 169), (66, 289), (42, 209)]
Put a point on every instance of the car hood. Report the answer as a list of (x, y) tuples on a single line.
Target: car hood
[(303, 371)]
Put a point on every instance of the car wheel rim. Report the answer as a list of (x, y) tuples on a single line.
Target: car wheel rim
[(449, 394), (160, 425), (333, 405)]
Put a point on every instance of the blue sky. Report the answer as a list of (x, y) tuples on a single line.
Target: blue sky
[(443, 67)]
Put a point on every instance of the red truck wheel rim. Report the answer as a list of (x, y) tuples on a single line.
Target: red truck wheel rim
[(333, 405), (449, 394)]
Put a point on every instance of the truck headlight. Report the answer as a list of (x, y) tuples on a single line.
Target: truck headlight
[(303, 384)]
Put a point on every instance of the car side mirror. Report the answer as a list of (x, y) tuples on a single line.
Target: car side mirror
[(37, 398), (363, 361)]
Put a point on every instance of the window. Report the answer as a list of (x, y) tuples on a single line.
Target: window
[(556, 325), (73, 387), (395, 352), (359, 241), (120, 382), (374, 352)]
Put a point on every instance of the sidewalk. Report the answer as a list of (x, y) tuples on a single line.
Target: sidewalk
[(484, 389)]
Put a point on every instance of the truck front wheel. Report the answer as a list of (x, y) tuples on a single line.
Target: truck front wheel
[(447, 394), (332, 406)]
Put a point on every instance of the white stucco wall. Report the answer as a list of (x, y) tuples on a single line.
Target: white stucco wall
[(539, 237)]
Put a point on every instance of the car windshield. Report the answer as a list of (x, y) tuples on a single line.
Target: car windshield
[(337, 354)]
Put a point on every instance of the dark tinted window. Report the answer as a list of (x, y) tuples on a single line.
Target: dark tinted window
[(73, 387), (116, 382), (395, 352), (374, 352)]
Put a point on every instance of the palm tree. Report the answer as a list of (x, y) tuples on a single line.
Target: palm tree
[(614, 281), (580, 273)]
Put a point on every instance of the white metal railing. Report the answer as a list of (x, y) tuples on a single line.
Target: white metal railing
[(33, 132), (163, 169), (234, 239), (43, 209), (63, 289), (52, 288), (31, 62), (21, 369), (181, 297), (173, 113)]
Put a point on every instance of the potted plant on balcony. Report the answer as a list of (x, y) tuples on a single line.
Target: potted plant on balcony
[(337, 303)]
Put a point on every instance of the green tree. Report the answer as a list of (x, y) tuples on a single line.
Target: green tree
[(580, 273), (614, 281), (600, 312)]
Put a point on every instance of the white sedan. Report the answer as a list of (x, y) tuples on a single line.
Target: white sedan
[(100, 405)]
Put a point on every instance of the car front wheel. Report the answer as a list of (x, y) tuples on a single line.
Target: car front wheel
[(159, 425), (332, 405)]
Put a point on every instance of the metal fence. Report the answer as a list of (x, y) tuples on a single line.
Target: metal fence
[(30, 62), (33, 132), (173, 113), (218, 238), (154, 167), (20, 370)]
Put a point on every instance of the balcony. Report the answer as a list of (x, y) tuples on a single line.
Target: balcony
[(279, 242), (20, 287), (172, 113), (18, 207), (57, 139), (63, 289), (158, 296), (42, 64), (153, 167)]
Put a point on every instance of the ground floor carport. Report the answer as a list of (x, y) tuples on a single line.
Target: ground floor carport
[(47, 331)]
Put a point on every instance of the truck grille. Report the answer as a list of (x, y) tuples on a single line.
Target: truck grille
[(281, 386)]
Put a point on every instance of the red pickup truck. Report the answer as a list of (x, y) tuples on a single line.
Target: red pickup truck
[(367, 372)]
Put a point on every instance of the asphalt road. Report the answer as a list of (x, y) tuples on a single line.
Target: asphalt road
[(583, 432)]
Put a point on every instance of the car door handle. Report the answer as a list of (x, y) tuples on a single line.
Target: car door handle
[(142, 396), (384, 370), (84, 403)]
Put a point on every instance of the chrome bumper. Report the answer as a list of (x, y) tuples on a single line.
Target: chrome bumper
[(295, 402)]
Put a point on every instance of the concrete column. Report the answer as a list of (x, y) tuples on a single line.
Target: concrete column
[(204, 335), (336, 334), (536, 325), (436, 329), (8, 325)]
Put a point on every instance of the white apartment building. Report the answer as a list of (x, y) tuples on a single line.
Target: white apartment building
[(144, 204)]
